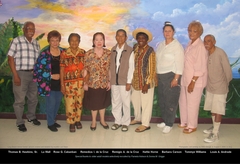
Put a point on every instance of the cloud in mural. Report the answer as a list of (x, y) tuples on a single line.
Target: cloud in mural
[(220, 18), (84, 17)]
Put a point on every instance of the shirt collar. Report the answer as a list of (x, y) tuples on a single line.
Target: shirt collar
[(122, 48), (69, 52)]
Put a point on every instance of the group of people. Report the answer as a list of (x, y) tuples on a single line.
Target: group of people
[(99, 77), (183, 74)]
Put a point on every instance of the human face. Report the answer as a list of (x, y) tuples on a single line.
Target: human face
[(98, 41), (74, 42), (193, 33), (168, 33), (54, 42), (121, 38), (29, 30), (209, 43), (142, 40)]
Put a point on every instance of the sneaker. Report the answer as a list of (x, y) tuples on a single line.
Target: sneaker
[(34, 122), (167, 129), (22, 128), (211, 138), (57, 125), (124, 128), (208, 131), (53, 128), (162, 125)]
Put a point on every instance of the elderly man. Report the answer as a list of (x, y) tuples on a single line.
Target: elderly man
[(22, 55), (219, 76), (122, 67)]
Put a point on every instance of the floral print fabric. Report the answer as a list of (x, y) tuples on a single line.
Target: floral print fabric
[(98, 68), (42, 72)]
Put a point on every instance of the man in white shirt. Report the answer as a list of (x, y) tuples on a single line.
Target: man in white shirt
[(121, 73)]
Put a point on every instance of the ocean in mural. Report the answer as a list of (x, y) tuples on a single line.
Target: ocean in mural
[(219, 18)]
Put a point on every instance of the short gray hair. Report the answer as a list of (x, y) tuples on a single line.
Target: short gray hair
[(212, 36)]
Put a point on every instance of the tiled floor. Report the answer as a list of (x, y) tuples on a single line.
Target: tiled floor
[(42, 137)]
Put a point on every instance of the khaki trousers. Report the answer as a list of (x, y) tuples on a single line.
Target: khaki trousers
[(142, 104)]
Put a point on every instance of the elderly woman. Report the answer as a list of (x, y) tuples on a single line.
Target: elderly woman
[(170, 61), (97, 96), (144, 79), (71, 73), (47, 75), (194, 78)]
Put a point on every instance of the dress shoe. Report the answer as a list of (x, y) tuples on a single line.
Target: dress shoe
[(105, 127), (57, 125), (78, 125), (72, 128), (93, 128), (53, 128)]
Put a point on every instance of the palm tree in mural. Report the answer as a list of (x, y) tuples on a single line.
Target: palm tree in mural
[(8, 31)]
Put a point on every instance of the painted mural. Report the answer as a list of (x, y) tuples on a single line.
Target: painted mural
[(220, 18)]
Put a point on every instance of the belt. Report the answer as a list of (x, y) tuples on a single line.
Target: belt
[(27, 70)]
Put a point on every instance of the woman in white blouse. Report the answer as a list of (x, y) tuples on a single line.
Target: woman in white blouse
[(170, 63)]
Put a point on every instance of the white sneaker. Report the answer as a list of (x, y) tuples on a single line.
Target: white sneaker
[(211, 138), (167, 129), (161, 125), (208, 131)]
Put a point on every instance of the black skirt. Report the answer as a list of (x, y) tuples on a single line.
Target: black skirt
[(95, 99)]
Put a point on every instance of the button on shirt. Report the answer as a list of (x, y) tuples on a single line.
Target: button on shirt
[(131, 63), (24, 52)]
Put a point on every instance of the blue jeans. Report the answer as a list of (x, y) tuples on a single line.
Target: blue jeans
[(52, 106)]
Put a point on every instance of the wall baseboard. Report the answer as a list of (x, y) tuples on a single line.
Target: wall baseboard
[(111, 118)]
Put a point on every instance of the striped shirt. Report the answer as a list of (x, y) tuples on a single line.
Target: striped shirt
[(24, 52)]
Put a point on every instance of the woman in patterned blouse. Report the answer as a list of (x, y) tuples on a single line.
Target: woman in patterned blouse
[(71, 74), (97, 96), (47, 75)]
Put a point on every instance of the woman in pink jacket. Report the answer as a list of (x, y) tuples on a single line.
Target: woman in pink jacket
[(194, 78)]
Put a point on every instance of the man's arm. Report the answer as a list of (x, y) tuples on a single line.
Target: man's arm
[(17, 80)]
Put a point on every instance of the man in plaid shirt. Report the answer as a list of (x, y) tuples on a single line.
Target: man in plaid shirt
[(22, 55)]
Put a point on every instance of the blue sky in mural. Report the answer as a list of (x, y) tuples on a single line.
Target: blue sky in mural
[(218, 17)]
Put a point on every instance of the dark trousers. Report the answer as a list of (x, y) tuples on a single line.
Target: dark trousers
[(168, 97)]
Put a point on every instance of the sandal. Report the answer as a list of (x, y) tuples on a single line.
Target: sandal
[(182, 126), (133, 122), (72, 128), (78, 125), (115, 126), (124, 128), (142, 128), (189, 130)]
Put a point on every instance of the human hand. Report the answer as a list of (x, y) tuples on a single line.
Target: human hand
[(145, 89), (85, 87), (63, 90), (174, 83), (128, 87), (17, 80), (108, 86), (191, 87), (55, 76)]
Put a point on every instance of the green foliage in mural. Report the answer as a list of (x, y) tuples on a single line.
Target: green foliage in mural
[(8, 31)]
